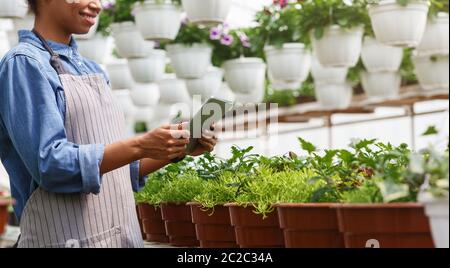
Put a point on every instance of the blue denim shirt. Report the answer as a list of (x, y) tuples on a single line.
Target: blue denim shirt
[(33, 145)]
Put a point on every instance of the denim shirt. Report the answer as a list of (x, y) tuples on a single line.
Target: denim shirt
[(33, 144)]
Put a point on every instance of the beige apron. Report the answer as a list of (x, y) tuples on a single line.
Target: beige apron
[(106, 220)]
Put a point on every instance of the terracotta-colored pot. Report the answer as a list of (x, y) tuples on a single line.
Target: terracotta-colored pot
[(179, 226), (4, 214), (399, 225), (213, 227), (252, 231), (309, 226), (152, 223), (144, 236)]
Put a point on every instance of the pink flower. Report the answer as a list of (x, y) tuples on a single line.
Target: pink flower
[(244, 39), (215, 33), (227, 40)]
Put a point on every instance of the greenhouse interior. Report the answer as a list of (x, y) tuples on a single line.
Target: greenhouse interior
[(224, 124)]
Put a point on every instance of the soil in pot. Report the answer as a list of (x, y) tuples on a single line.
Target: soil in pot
[(252, 231), (310, 226), (152, 223), (400, 225), (178, 224), (213, 227)]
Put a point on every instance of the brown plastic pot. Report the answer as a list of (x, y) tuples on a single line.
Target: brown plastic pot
[(213, 227), (178, 224), (310, 226), (152, 223), (4, 204), (144, 236), (252, 231), (399, 225)]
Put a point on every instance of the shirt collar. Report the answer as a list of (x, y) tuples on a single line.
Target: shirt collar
[(59, 48)]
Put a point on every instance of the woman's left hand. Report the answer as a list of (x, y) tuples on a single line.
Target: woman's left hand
[(207, 143)]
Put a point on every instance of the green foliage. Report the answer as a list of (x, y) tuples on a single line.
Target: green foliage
[(190, 34), (437, 6), (220, 191), (183, 189), (431, 130), (407, 68)]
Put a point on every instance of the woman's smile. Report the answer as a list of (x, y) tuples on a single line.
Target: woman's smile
[(88, 17)]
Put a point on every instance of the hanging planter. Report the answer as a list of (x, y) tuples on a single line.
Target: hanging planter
[(338, 47), (401, 225), (13, 8), (334, 96), (158, 20), (432, 71), (378, 57), (435, 40), (206, 86), (290, 63), (213, 226), (145, 94), (119, 75), (381, 84), (129, 41), (336, 75), (179, 226), (173, 91), (399, 25), (245, 75), (257, 96), (309, 226), (207, 12), (252, 231), (437, 211), (152, 223), (95, 49), (150, 68), (190, 61)]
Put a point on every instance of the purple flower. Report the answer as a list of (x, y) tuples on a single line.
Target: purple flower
[(215, 33), (227, 40), (107, 5), (244, 39)]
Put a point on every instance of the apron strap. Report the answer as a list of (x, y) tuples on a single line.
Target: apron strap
[(55, 61)]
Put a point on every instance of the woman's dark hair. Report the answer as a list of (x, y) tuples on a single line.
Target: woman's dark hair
[(33, 5)]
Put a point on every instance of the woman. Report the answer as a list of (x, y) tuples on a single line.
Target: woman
[(72, 173)]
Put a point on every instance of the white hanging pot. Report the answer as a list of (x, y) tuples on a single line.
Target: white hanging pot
[(245, 75), (145, 114), (13, 8), (255, 97), (338, 47), (206, 86), (123, 98), (381, 84), (432, 71), (145, 94), (158, 21), (398, 25), (91, 32), (25, 23), (119, 75), (334, 96), (378, 57), (95, 49), (290, 63), (173, 90), (149, 69), (436, 37), (190, 61), (335, 75), (437, 211), (129, 41), (225, 93), (207, 12)]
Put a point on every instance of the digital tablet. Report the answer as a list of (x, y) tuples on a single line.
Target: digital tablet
[(212, 111)]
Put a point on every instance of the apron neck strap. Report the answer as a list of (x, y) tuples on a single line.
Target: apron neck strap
[(55, 61)]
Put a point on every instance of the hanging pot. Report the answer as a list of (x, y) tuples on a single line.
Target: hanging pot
[(145, 94), (129, 41), (336, 75), (435, 40), (334, 96), (119, 75), (245, 75), (13, 8), (190, 61), (398, 25), (95, 49), (432, 71), (378, 57), (338, 47), (173, 91), (149, 69), (381, 84), (206, 86), (158, 21), (207, 12)]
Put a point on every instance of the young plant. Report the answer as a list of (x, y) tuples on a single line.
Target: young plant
[(181, 190), (190, 34)]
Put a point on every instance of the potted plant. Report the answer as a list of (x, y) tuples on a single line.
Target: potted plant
[(209, 12), (119, 74), (399, 22), (240, 53), (333, 95), (382, 211), (206, 86), (158, 20), (381, 84), (432, 71), (149, 68), (336, 30), (436, 37), (287, 52), (173, 91), (378, 57), (328, 74), (13, 8), (145, 94), (190, 53)]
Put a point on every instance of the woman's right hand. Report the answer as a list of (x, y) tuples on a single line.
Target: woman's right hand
[(164, 143)]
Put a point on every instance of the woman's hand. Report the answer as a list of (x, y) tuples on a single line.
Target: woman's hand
[(164, 143), (207, 143)]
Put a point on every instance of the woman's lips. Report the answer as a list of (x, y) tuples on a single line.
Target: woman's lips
[(90, 19)]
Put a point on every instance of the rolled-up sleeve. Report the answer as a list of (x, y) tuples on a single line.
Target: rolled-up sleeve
[(137, 181), (29, 111)]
